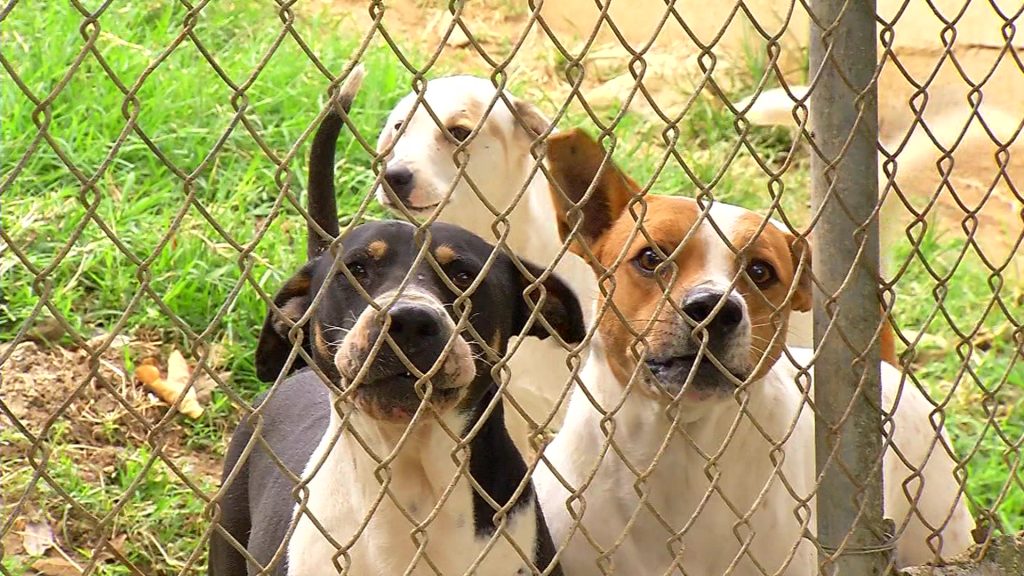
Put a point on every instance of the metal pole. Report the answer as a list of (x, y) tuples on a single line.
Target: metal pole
[(844, 177)]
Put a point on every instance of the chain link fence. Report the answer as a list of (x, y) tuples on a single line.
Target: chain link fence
[(154, 199)]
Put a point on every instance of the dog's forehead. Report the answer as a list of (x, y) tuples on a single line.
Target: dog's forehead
[(668, 220), (450, 95), (378, 237), (451, 242), (398, 240)]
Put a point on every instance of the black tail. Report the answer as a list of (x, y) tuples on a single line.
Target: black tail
[(322, 205)]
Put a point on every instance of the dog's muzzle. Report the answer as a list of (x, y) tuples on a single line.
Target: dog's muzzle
[(403, 183), (716, 326), (437, 364)]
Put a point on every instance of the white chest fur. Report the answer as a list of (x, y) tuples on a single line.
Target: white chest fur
[(370, 534), (732, 489)]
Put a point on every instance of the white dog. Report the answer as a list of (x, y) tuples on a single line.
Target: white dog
[(708, 484), (423, 177)]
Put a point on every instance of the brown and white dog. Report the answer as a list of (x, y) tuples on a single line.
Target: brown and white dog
[(689, 450)]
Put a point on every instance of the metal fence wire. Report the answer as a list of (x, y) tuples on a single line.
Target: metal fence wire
[(793, 230)]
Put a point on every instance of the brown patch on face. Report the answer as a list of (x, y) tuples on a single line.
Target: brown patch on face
[(377, 249), (444, 254), (356, 345), (496, 341), (319, 341), (468, 117), (638, 295), (766, 304)]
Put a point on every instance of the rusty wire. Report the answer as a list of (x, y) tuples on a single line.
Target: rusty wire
[(862, 348)]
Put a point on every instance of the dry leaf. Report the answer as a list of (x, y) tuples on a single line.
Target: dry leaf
[(37, 538), (205, 385), (177, 369), (169, 390), (56, 567)]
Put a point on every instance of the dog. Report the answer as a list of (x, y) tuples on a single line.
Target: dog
[(672, 437), (502, 177), (389, 413), (497, 131)]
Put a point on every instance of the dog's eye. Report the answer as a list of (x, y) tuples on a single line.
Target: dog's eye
[(397, 126), (460, 133), (357, 270), (761, 273), (648, 260), (462, 279)]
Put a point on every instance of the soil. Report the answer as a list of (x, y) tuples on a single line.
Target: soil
[(95, 415)]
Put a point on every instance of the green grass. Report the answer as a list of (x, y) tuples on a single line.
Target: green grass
[(193, 270), (964, 326), (193, 267)]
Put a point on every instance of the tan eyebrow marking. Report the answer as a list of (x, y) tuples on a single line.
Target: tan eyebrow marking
[(445, 254), (377, 249)]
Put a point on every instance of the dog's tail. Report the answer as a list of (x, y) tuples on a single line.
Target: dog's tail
[(322, 205)]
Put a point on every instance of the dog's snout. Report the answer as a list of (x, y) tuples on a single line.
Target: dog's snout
[(414, 323), (700, 305), (399, 178)]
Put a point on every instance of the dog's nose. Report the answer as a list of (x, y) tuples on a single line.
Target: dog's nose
[(700, 304), (412, 323), (399, 178), (419, 332)]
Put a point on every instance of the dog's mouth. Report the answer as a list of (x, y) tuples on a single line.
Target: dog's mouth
[(708, 380), (394, 396), (423, 210)]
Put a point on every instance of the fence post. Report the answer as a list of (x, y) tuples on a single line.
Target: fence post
[(844, 177)]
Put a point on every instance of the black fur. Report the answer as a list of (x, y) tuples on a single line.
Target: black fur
[(256, 509)]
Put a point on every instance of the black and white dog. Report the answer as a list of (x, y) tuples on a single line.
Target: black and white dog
[(392, 432)]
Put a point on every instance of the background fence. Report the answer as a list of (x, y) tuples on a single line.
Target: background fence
[(153, 162)]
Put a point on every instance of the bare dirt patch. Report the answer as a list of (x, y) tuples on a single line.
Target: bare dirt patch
[(74, 430)]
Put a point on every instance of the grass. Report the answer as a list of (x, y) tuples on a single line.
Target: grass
[(193, 267)]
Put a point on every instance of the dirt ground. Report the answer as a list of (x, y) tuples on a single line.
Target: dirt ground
[(94, 415)]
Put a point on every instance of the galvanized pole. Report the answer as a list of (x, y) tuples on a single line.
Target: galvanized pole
[(844, 176)]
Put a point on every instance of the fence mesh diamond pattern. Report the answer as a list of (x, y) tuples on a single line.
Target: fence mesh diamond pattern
[(751, 301)]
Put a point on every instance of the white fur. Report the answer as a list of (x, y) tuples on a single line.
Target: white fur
[(345, 493), (743, 471), (728, 486)]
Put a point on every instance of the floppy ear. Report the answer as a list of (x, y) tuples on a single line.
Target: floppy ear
[(561, 308), (575, 162), (274, 346), (800, 249), (530, 117)]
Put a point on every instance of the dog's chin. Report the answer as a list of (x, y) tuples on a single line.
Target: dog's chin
[(394, 398), (418, 211), (708, 384)]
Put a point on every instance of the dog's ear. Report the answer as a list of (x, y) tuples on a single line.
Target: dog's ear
[(576, 161), (800, 251), (530, 117), (561, 308), (274, 345)]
